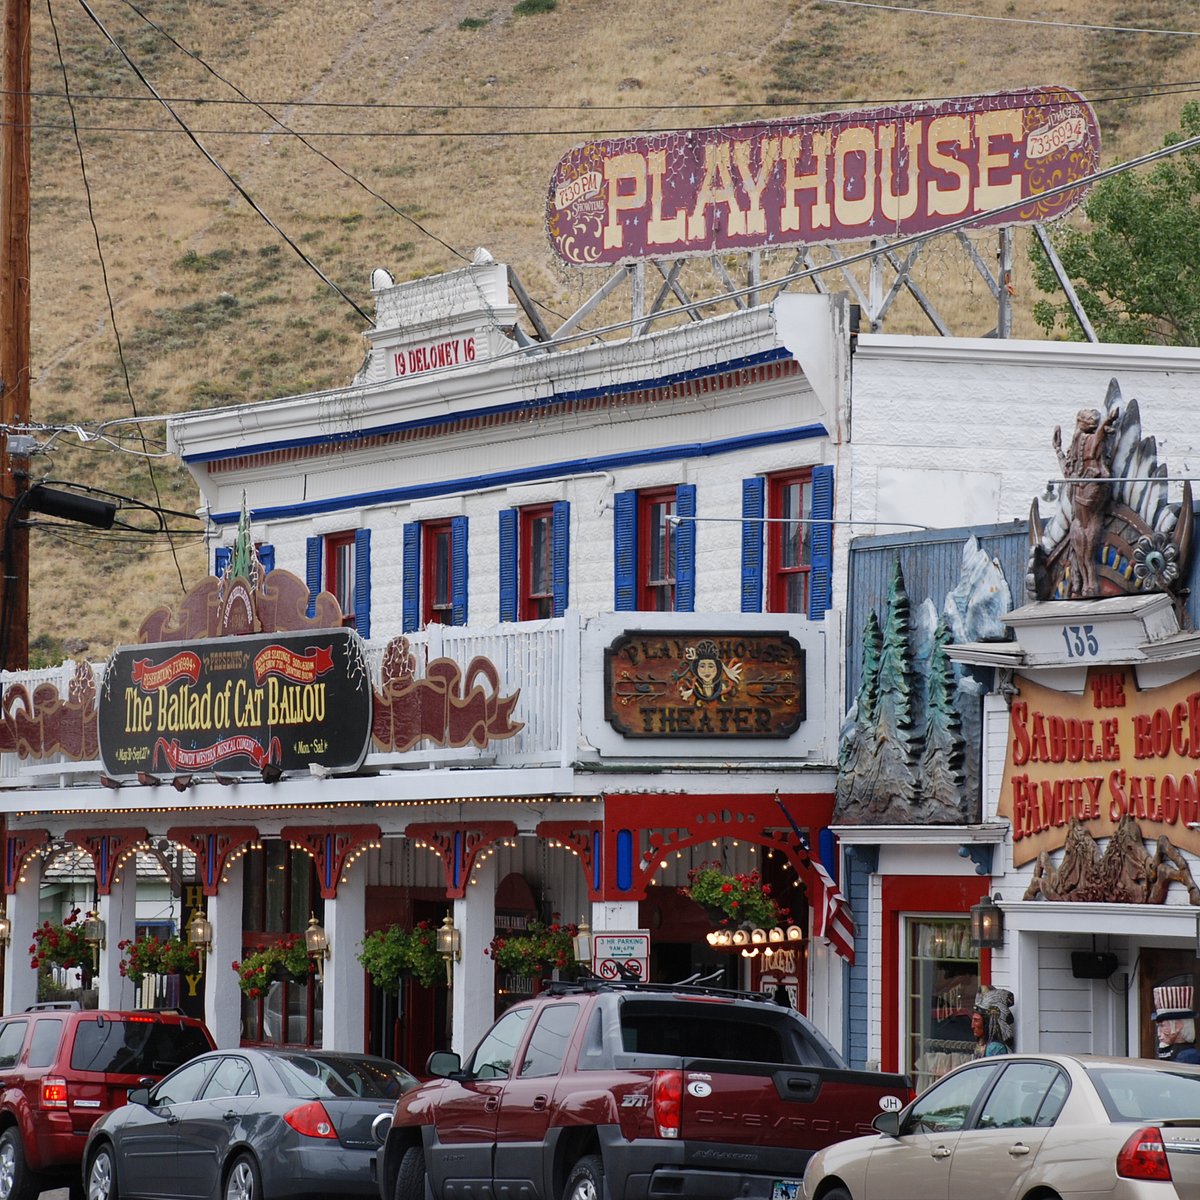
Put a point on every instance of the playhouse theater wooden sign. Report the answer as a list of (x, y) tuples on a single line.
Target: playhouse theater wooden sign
[(833, 177), (1110, 753)]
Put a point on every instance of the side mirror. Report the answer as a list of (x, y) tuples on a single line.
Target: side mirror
[(139, 1095), (443, 1063), (887, 1123)]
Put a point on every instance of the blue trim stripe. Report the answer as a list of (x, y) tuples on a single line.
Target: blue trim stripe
[(521, 406), (573, 466)]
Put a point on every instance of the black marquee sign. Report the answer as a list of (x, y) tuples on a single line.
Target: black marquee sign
[(235, 705)]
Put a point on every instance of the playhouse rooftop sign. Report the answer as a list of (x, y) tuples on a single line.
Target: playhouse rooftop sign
[(833, 177)]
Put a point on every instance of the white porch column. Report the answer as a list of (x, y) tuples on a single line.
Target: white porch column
[(473, 997), (20, 982), (222, 997), (618, 915), (118, 911), (344, 993)]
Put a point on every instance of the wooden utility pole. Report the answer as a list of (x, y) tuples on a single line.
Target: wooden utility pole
[(14, 322)]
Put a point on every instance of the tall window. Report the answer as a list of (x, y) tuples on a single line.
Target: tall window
[(655, 549), (943, 981), (534, 561), (339, 572), (280, 893), (789, 561), (537, 563), (437, 594), (435, 573), (340, 563)]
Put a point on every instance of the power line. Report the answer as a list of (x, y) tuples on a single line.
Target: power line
[(112, 310), (938, 12), (299, 136), (230, 179)]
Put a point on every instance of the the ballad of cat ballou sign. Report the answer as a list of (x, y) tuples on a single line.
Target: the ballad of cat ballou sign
[(1112, 752), (830, 177), (234, 705), (704, 685)]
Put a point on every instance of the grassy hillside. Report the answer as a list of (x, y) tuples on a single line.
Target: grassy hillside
[(454, 112)]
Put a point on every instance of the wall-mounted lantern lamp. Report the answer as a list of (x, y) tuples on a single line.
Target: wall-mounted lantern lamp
[(449, 946), (94, 931), (316, 942), (582, 943), (987, 924), (200, 936)]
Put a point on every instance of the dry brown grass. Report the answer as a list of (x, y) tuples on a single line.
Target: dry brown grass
[(214, 309)]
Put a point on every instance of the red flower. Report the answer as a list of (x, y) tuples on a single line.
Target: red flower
[(727, 888)]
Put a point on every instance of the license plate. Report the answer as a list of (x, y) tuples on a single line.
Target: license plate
[(785, 1189)]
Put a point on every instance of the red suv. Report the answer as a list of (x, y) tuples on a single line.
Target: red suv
[(62, 1068)]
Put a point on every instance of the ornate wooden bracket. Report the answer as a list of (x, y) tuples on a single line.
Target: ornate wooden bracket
[(587, 841), (212, 848), (331, 848), (108, 849), (18, 846), (458, 847)]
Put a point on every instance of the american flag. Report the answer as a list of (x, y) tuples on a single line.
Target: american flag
[(832, 918)]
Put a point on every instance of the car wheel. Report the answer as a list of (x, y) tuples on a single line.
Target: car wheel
[(102, 1175), (17, 1181), (410, 1178), (586, 1180), (243, 1181), (837, 1193)]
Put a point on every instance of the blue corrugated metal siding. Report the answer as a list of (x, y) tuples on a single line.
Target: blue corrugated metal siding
[(932, 563), (856, 883)]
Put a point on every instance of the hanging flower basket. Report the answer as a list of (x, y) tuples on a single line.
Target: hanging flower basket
[(62, 945), (541, 948), (395, 953), (734, 899), (286, 958), (150, 956)]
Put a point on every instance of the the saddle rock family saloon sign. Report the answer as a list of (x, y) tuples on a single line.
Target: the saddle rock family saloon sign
[(833, 177), (704, 685), (237, 704), (1096, 758)]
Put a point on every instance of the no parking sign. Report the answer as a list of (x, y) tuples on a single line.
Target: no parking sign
[(613, 951)]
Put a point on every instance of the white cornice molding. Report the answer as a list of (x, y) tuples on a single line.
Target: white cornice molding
[(1022, 352), (991, 833)]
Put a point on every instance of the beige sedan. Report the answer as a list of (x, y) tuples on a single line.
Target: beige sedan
[(1054, 1126)]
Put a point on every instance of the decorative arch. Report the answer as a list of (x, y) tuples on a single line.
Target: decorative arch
[(586, 841), (333, 850), (214, 849), (19, 846), (108, 849), (458, 847)]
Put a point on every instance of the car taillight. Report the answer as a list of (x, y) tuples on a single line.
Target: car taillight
[(54, 1092), (668, 1103), (311, 1120), (1143, 1156)]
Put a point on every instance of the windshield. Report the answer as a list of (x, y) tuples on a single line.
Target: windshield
[(327, 1076)]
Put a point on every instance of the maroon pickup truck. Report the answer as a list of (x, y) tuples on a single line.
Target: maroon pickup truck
[(623, 1091)]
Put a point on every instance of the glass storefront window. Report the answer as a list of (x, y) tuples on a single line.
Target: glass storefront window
[(943, 981)]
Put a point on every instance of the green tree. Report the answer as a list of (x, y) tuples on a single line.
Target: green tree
[(1136, 265), (940, 769)]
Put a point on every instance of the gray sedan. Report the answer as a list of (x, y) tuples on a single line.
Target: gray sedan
[(248, 1124)]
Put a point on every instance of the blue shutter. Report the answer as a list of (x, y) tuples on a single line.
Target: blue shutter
[(312, 570), (753, 492), (509, 525), (561, 537), (362, 581), (411, 603), (266, 556), (221, 557), (685, 549), (820, 581), (458, 569), (625, 551)]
